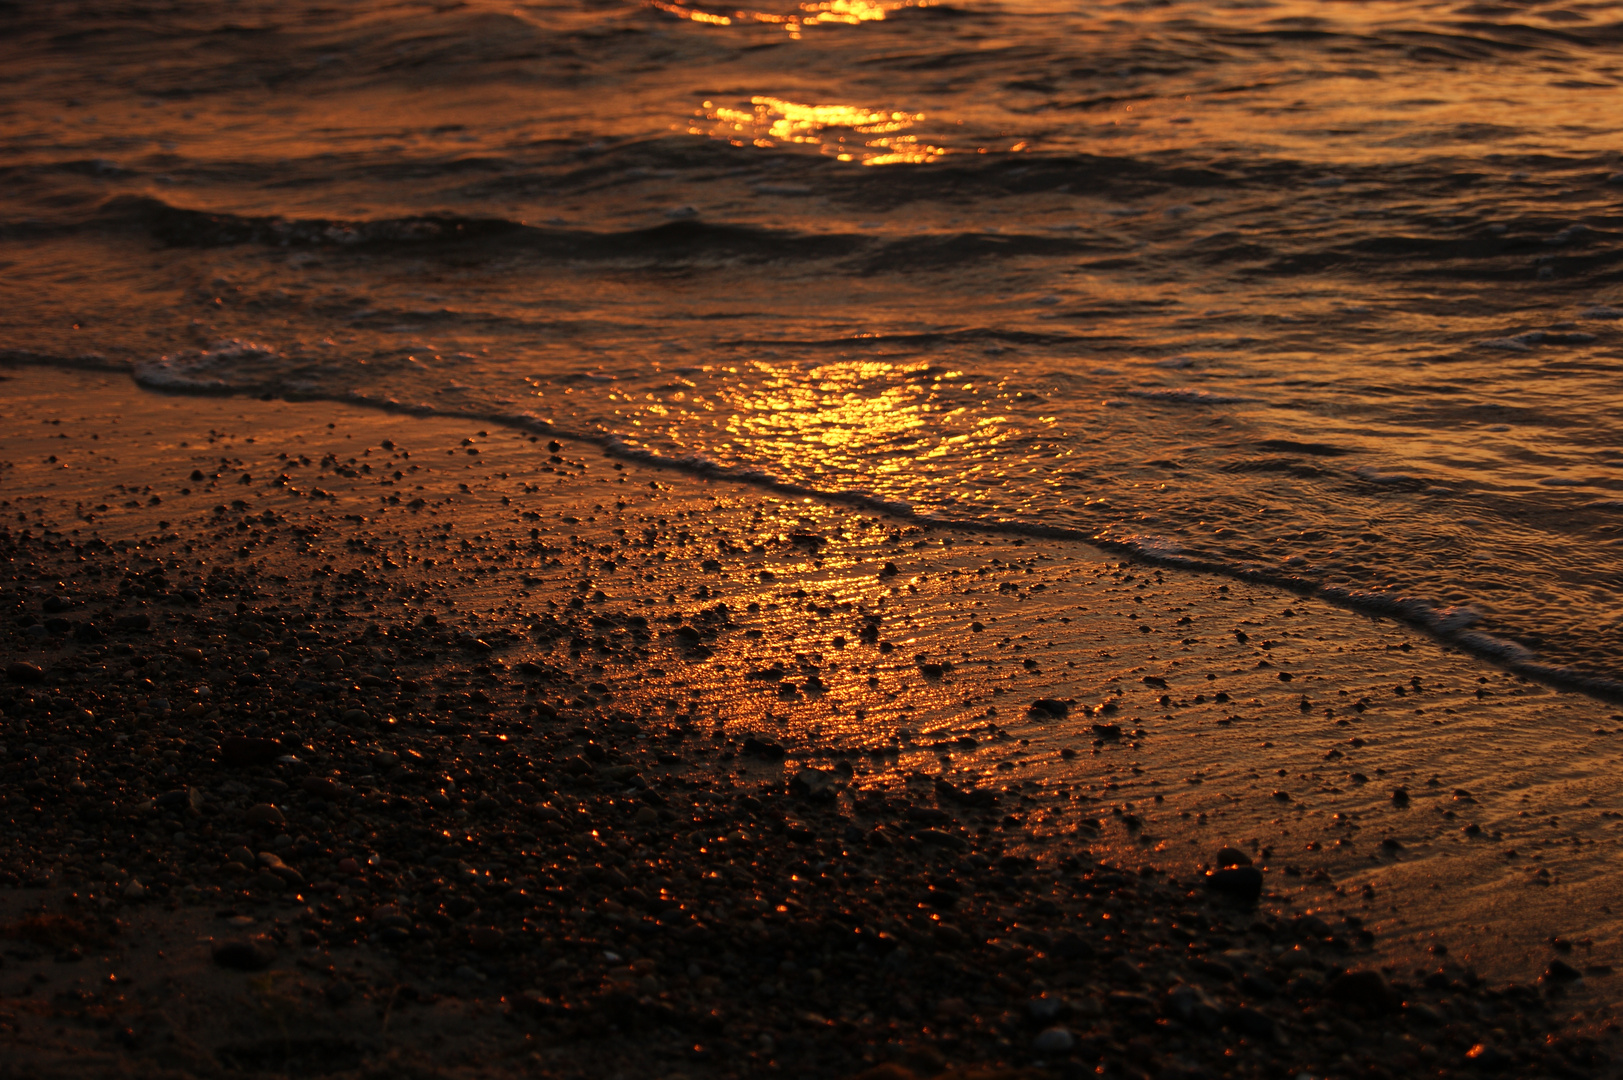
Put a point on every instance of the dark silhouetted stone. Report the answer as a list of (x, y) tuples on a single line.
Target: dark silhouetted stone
[(245, 954), (1239, 882)]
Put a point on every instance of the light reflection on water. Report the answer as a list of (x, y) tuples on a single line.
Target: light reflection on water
[(838, 12), (771, 122)]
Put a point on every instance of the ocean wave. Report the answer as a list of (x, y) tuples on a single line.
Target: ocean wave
[(1183, 396), (673, 241)]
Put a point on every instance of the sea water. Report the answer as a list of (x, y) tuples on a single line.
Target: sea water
[(1324, 293)]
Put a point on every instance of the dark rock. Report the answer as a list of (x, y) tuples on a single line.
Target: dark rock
[(769, 751), (1232, 856), (1250, 1022), (1560, 971), (1364, 987), (181, 799), (941, 839), (1242, 883), (24, 672), (1051, 707), (814, 784), (240, 752), (1191, 1005), (964, 796), (245, 954), (139, 621), (264, 814)]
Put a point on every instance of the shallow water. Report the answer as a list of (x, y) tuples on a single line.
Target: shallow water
[(1324, 292)]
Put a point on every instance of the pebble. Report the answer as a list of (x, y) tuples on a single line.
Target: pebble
[(1054, 1040), (815, 784), (23, 672), (1365, 988), (264, 814), (1242, 883), (1560, 971), (245, 954)]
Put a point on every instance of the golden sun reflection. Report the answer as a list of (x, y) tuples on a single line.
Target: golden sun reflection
[(845, 12), (834, 417), (847, 132)]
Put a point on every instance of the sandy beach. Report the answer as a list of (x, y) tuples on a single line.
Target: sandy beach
[(340, 743)]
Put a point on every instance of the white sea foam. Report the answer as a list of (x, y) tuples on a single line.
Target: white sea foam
[(224, 366)]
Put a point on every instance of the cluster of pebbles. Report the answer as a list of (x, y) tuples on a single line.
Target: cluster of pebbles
[(527, 841)]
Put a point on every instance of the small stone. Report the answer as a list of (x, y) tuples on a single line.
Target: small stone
[(486, 939), (1045, 1008), (769, 751), (1192, 1005), (1240, 882), (181, 799), (245, 954), (264, 814), (135, 890), (1560, 971), (1425, 1014), (814, 784), (1232, 856), (24, 672), (1054, 1040), (239, 752), (1400, 798), (1363, 987)]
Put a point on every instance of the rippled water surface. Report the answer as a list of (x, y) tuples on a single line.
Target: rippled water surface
[(1320, 291)]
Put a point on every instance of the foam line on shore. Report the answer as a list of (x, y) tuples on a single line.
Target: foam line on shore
[(1452, 625)]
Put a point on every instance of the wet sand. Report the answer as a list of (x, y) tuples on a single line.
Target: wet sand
[(518, 756)]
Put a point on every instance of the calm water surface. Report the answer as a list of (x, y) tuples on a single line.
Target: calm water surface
[(1325, 291)]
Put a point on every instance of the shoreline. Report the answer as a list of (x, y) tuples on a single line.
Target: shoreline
[(1448, 626), (811, 726)]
